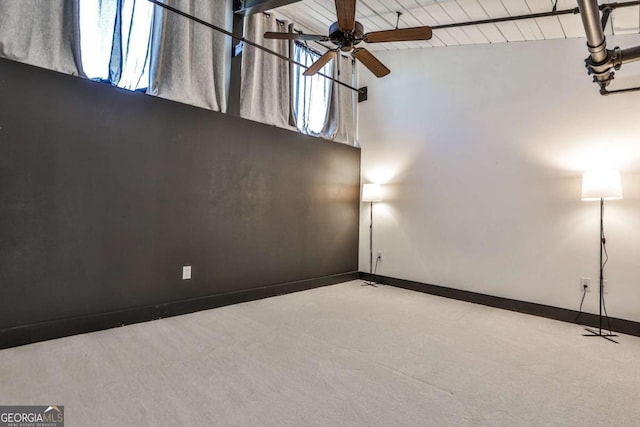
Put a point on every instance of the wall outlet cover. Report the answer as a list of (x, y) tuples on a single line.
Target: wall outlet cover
[(585, 281), (186, 272)]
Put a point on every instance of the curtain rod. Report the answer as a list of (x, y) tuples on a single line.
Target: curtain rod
[(304, 46), (242, 39)]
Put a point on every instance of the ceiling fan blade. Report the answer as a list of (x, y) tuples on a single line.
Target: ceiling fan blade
[(346, 11), (371, 62), (294, 36), (401, 35), (316, 66)]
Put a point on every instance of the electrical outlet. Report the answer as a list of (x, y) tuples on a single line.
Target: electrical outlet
[(585, 282), (605, 287), (186, 272), (380, 255)]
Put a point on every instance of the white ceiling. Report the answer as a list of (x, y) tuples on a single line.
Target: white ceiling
[(315, 17)]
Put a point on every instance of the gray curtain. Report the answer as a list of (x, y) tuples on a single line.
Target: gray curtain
[(191, 62), (40, 33), (341, 118), (266, 84)]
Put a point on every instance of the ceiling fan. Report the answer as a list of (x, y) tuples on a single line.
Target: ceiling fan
[(347, 33)]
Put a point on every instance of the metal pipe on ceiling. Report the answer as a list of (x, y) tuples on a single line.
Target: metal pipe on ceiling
[(572, 11), (630, 54), (600, 61), (596, 41), (603, 62)]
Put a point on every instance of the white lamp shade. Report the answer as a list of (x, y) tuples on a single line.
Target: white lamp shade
[(371, 193), (601, 184)]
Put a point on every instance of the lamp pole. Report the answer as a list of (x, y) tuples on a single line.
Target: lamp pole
[(371, 239), (371, 281), (602, 243), (371, 193), (601, 185)]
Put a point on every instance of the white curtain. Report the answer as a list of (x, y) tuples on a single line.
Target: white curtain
[(312, 94), (265, 82), (323, 107), (40, 33), (192, 63), (341, 125), (96, 31), (115, 41)]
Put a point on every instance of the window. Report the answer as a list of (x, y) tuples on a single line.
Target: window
[(115, 41), (311, 95)]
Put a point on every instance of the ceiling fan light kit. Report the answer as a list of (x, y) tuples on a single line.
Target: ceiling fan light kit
[(345, 40), (346, 33)]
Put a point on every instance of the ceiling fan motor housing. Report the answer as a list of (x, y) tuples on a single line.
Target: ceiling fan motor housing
[(345, 40)]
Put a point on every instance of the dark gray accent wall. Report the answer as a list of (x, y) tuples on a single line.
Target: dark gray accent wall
[(105, 194)]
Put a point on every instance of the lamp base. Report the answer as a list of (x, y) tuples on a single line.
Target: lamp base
[(606, 336), (375, 285)]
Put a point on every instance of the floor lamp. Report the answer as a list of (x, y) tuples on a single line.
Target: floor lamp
[(601, 185), (371, 193)]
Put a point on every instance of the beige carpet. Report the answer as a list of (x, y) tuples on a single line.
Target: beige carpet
[(343, 355)]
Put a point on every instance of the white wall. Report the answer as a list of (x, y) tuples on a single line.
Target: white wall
[(481, 150)]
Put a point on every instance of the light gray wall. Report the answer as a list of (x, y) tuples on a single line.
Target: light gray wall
[(482, 150)]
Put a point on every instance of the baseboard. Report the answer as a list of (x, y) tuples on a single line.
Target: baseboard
[(587, 319), (27, 334)]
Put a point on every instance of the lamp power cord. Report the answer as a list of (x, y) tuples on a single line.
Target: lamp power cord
[(584, 294), (375, 270), (606, 258), (584, 289)]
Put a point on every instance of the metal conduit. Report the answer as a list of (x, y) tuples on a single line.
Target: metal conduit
[(603, 62), (631, 54), (596, 42)]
